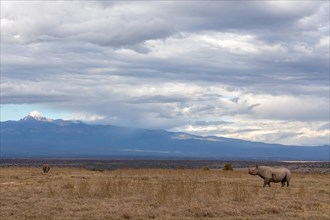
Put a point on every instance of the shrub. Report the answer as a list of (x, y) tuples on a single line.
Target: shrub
[(227, 166)]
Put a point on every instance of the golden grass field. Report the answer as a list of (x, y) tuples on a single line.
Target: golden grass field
[(72, 193)]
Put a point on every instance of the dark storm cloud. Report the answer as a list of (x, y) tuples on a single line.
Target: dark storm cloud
[(114, 25), (130, 25), (31, 99)]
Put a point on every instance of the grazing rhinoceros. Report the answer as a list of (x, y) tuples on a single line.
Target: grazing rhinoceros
[(45, 168), (270, 174)]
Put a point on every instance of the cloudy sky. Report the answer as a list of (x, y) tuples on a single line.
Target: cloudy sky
[(254, 70)]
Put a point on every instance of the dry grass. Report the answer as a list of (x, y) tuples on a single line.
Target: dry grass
[(68, 193)]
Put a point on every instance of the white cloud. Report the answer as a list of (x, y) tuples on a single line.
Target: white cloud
[(35, 114), (290, 107), (85, 117), (268, 131)]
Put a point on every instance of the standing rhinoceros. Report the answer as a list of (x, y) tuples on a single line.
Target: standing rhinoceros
[(45, 168), (270, 174)]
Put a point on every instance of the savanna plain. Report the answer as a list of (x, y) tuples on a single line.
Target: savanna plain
[(78, 193)]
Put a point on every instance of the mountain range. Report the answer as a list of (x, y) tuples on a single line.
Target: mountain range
[(36, 136)]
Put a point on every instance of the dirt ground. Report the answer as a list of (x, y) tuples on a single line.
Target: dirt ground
[(76, 193)]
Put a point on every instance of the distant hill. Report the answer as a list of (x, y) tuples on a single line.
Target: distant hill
[(35, 136)]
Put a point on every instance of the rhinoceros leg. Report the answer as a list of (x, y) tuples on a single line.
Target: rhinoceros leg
[(266, 182), (283, 183)]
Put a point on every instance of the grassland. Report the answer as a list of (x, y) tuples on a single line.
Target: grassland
[(74, 193)]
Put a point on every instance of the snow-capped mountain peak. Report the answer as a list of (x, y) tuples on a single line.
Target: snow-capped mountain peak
[(35, 115)]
